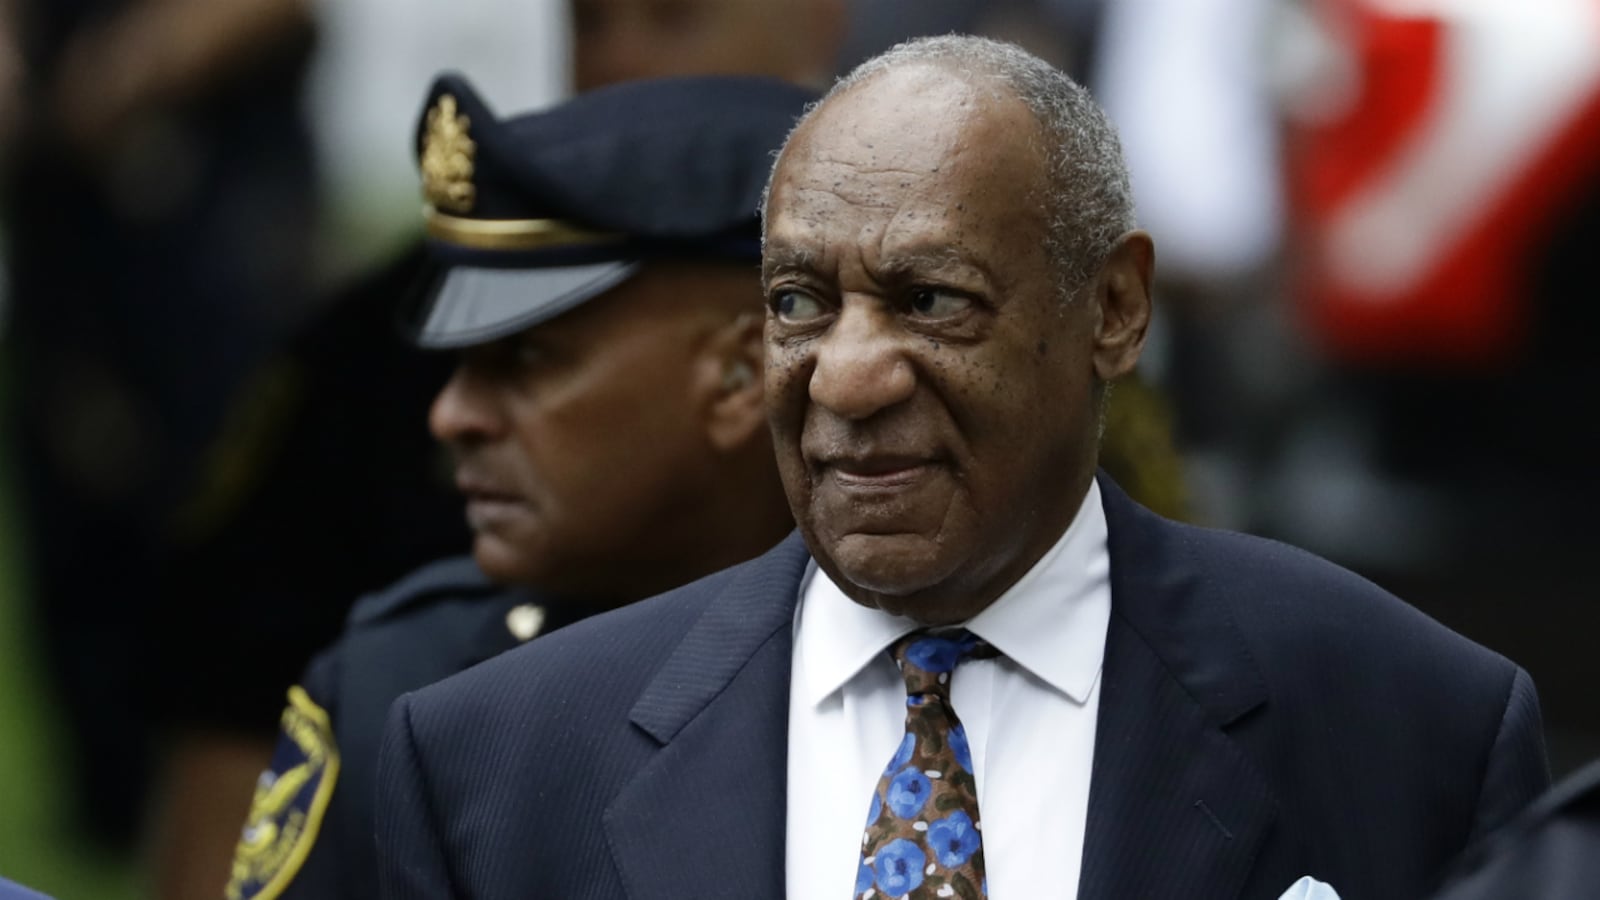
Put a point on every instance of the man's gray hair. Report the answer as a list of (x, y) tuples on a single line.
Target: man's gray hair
[(1089, 201)]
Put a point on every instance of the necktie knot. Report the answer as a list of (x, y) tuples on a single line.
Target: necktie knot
[(926, 660)]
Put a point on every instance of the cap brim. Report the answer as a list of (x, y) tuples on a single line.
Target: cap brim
[(474, 304)]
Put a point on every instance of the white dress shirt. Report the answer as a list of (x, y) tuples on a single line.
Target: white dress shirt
[(1029, 717)]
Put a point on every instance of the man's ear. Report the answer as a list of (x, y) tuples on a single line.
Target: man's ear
[(1122, 293), (731, 383)]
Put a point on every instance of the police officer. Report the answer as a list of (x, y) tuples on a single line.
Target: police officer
[(595, 267)]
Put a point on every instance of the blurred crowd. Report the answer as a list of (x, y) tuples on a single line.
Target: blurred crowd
[(1371, 219)]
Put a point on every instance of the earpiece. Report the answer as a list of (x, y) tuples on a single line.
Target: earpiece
[(738, 375)]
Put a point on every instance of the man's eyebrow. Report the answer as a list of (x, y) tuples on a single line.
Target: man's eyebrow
[(931, 259), (904, 264), (786, 258)]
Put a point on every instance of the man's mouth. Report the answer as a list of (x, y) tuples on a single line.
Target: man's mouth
[(477, 489), (487, 502), (878, 471)]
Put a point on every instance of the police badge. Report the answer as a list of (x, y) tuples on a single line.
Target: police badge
[(290, 798)]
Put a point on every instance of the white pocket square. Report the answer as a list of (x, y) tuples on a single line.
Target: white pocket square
[(1309, 888)]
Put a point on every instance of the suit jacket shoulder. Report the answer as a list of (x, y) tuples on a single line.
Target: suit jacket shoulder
[(1297, 615), (1378, 742)]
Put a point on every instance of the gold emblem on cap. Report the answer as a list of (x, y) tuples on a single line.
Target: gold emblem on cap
[(447, 158)]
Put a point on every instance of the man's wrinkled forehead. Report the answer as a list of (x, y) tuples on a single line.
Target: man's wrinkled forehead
[(848, 148), (913, 142), (925, 101)]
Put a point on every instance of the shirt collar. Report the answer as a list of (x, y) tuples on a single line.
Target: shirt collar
[(1052, 622)]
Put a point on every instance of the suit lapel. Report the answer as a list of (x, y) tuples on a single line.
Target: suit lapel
[(705, 815), (1176, 809)]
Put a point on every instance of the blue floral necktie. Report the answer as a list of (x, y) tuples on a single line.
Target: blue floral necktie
[(922, 838)]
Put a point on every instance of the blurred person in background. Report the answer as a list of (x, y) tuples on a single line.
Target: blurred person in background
[(594, 266), (157, 197)]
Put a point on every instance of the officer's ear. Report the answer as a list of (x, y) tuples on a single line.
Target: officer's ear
[(731, 383)]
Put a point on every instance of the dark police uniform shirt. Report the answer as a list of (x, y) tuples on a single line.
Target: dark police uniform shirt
[(310, 829)]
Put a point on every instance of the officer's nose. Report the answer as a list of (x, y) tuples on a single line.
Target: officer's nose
[(862, 366), (464, 412)]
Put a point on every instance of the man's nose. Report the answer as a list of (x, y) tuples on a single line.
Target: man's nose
[(862, 366), (464, 411)]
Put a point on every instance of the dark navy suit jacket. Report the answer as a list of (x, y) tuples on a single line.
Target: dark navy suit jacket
[(1265, 715)]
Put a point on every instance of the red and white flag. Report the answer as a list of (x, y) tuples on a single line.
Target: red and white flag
[(1422, 193)]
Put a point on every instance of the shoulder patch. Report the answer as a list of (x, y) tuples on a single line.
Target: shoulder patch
[(290, 800)]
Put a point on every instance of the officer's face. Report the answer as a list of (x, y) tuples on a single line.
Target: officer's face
[(578, 443), (621, 40), (931, 395)]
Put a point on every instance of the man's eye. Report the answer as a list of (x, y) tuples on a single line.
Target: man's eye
[(936, 304), (796, 306)]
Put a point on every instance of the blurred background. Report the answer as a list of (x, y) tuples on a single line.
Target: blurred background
[(1373, 220)]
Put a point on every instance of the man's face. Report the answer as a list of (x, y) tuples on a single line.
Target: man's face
[(930, 393), (621, 40), (577, 443)]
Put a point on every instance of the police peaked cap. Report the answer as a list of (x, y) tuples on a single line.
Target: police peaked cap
[(529, 216)]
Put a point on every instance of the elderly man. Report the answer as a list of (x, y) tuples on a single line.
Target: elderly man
[(969, 618), (596, 269)]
